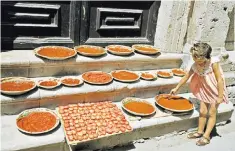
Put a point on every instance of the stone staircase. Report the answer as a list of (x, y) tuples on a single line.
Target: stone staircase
[(25, 63)]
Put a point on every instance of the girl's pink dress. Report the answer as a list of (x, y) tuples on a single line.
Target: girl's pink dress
[(204, 84)]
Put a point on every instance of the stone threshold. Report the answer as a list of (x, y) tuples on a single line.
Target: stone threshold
[(29, 65), (15, 140), (27, 58)]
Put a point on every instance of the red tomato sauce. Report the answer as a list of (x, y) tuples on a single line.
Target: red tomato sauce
[(175, 102), (93, 50), (119, 49), (178, 71), (139, 107), (16, 85), (97, 77), (164, 73), (147, 75), (144, 48), (37, 122), (124, 75), (56, 52), (48, 83), (71, 81)]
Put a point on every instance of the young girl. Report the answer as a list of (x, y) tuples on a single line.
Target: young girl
[(208, 85)]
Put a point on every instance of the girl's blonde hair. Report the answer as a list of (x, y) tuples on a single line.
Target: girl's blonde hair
[(202, 49)]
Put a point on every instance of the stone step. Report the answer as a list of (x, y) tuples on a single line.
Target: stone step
[(229, 78), (230, 63), (13, 139), (231, 93), (145, 128), (115, 92), (62, 95), (24, 63)]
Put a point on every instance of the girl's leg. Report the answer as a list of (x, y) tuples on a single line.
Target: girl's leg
[(212, 120), (202, 117), (201, 121)]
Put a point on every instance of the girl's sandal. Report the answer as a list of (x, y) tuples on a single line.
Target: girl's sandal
[(203, 141), (195, 135)]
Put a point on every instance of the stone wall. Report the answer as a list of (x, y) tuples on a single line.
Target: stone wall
[(229, 43), (181, 23), (172, 25)]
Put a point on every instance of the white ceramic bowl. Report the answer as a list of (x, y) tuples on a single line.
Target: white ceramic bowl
[(36, 50), (49, 79), (3, 80), (26, 112), (154, 76), (173, 110), (126, 80), (131, 99), (145, 52), (171, 74), (90, 54), (96, 83), (73, 77), (119, 53)]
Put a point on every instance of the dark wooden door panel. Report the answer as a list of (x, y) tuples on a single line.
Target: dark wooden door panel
[(31, 24), (113, 19), (26, 25), (117, 22)]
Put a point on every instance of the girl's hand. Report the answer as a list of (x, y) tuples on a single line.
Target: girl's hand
[(174, 91), (220, 100)]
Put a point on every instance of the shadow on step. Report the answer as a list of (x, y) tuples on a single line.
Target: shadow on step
[(214, 132), (94, 57), (182, 115), (24, 96), (45, 60), (124, 56), (126, 147), (152, 56)]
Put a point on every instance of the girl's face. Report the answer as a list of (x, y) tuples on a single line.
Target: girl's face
[(199, 59)]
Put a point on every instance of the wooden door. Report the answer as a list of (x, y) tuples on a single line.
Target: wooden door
[(118, 22), (27, 25)]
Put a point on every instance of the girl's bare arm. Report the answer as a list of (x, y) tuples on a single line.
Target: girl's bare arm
[(182, 81), (185, 78), (220, 81)]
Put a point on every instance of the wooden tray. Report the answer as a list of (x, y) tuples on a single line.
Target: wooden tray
[(49, 79), (145, 52), (119, 53), (26, 112), (36, 51), (172, 110), (90, 54), (77, 141), (8, 79), (71, 85), (127, 81), (132, 99)]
